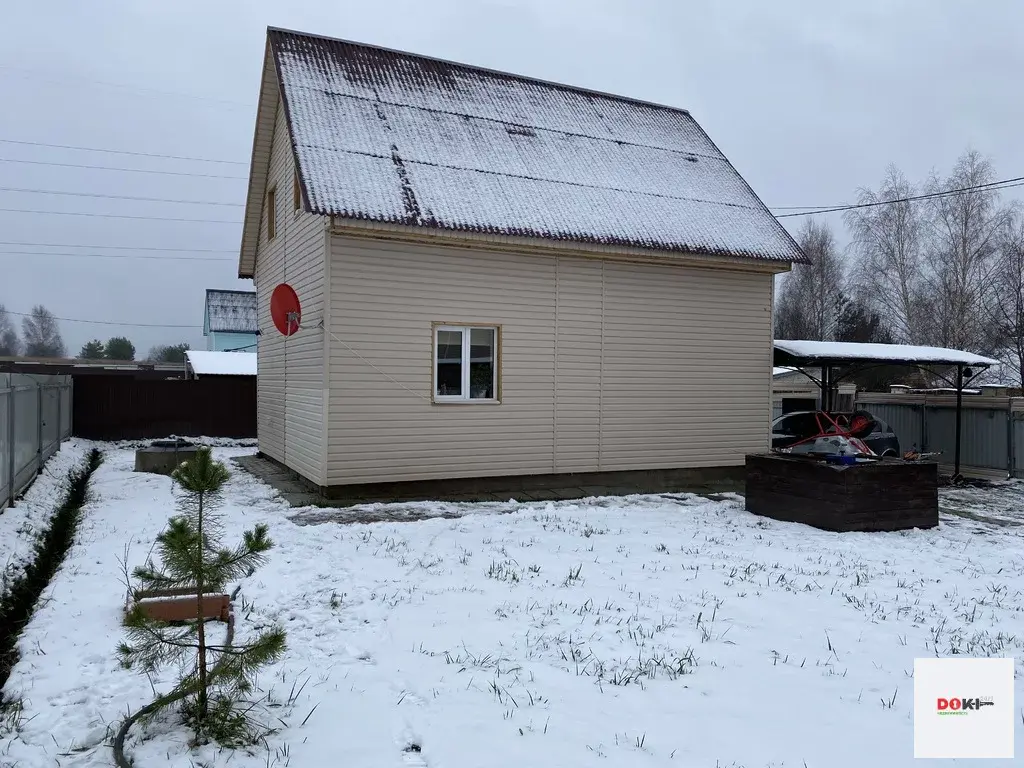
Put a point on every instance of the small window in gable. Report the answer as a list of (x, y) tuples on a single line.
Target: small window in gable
[(296, 192), (272, 213), (465, 363)]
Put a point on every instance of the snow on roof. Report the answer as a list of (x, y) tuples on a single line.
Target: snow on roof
[(815, 352), (231, 311), (221, 363), (394, 137)]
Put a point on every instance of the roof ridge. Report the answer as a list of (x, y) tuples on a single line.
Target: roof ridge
[(498, 121), (488, 70)]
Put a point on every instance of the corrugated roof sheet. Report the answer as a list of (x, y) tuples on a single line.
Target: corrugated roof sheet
[(393, 137), (231, 311), (221, 363)]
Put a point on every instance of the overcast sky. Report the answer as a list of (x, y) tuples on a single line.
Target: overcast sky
[(807, 99)]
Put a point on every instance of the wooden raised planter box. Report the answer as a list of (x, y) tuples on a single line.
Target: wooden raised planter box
[(180, 605), (886, 495)]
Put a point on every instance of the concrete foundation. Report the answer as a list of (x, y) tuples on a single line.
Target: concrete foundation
[(163, 456), (299, 492)]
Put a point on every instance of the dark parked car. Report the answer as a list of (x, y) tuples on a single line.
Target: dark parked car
[(793, 427)]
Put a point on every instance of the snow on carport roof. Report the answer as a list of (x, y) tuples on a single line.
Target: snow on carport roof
[(222, 363), (789, 353)]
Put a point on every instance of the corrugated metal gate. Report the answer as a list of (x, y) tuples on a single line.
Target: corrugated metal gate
[(35, 417)]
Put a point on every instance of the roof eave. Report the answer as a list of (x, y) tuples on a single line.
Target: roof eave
[(800, 257), (259, 165), (380, 230)]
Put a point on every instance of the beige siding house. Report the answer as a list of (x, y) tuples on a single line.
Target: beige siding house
[(499, 277)]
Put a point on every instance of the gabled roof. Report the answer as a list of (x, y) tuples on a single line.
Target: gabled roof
[(230, 312), (391, 137)]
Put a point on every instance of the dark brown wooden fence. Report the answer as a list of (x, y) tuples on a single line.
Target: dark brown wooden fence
[(129, 408)]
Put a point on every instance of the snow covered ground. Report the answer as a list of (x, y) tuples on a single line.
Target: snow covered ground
[(21, 523), (647, 630)]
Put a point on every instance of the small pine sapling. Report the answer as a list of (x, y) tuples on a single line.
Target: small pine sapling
[(192, 558)]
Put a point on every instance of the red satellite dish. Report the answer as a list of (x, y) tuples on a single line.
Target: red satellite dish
[(285, 310)]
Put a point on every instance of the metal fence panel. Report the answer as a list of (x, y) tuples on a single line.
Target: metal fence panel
[(49, 427), (5, 439), (983, 436), (31, 431), (65, 411), (991, 438), (26, 433), (905, 420)]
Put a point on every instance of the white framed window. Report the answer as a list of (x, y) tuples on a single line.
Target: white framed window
[(465, 363)]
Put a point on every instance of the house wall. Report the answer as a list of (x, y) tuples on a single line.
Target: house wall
[(230, 342), (291, 370), (604, 365)]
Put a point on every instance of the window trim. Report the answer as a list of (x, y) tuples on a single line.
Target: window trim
[(465, 329), (272, 213)]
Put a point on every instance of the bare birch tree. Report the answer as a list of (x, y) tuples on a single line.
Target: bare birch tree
[(965, 228), (1006, 301), (41, 333), (10, 344), (811, 298), (887, 241)]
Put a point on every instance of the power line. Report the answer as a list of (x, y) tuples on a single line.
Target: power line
[(118, 247), (119, 216), (123, 170), (107, 322), (1004, 184), (121, 152), (116, 256), (117, 197), (62, 80)]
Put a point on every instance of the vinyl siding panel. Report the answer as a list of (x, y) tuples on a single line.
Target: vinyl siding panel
[(604, 365), (578, 342), (384, 425), (687, 357), (291, 370)]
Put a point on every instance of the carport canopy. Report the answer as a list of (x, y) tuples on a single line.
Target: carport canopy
[(801, 354), (854, 356)]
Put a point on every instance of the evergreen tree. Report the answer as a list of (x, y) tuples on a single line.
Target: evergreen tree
[(119, 348), (92, 350), (174, 353), (192, 558)]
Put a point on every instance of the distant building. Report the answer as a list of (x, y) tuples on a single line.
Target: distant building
[(229, 322), (795, 390)]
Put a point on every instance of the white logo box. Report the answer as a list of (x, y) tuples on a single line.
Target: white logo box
[(963, 708)]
